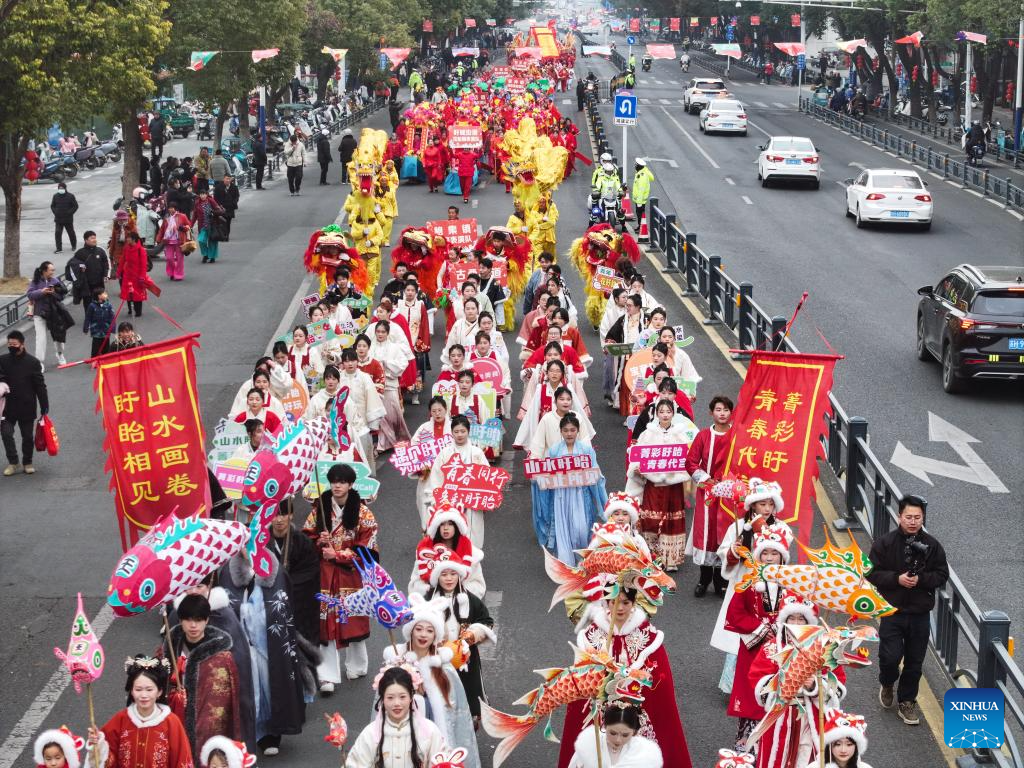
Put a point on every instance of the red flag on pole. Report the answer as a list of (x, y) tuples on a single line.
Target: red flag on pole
[(673, 24), (149, 404), (777, 425)]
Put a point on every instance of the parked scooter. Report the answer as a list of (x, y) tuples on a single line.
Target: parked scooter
[(204, 126), (646, 62)]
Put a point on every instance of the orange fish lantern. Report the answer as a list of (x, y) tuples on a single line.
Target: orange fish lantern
[(836, 580), (337, 730)]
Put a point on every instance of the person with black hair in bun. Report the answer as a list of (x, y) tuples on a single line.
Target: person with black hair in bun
[(145, 732), (400, 736), (340, 523), (620, 742)]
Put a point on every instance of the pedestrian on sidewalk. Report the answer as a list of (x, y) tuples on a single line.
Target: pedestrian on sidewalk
[(259, 159), (294, 160), (219, 167), (131, 273), (47, 292), (769, 70), (99, 317), (63, 206), (206, 209), (323, 154), (226, 192), (201, 164), (173, 233), (908, 566), (21, 385)]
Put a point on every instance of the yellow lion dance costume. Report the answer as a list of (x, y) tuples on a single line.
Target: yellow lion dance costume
[(601, 246), (366, 202)]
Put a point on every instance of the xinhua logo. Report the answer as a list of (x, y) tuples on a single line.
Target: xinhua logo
[(973, 718)]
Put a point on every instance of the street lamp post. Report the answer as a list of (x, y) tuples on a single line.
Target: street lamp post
[(1018, 111), (803, 45)]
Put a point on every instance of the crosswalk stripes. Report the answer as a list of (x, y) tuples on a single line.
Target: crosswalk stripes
[(644, 101), (760, 104), (566, 101), (780, 105), (664, 101), (659, 82)]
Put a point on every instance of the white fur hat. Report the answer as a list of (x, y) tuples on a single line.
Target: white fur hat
[(234, 751), (777, 537), (440, 558), (620, 500), (794, 605), (840, 725), (430, 611), (760, 490), (447, 513), (69, 744)]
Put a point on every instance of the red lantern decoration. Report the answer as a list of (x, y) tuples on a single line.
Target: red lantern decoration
[(1009, 92), (935, 79), (914, 73), (974, 83), (860, 61)]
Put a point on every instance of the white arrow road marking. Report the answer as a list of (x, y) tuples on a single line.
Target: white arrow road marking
[(858, 165), (671, 163), (974, 470)]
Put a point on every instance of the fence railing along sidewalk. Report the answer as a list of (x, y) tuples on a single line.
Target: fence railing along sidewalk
[(985, 180), (15, 310), (961, 632)]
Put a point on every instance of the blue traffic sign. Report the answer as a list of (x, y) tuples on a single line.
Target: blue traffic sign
[(801, 61), (730, 34), (631, 40), (625, 109)]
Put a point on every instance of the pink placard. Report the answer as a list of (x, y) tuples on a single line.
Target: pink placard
[(487, 371), (471, 486), (551, 466), (410, 459), (659, 458)]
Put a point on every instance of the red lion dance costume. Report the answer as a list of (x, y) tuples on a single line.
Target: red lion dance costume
[(601, 246), (422, 253), (328, 249), (503, 243)]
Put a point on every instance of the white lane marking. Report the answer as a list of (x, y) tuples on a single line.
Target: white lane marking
[(730, 182), (690, 138), (28, 726), (760, 104), (858, 165), (671, 163), (645, 101), (1018, 216), (567, 101), (757, 127), (492, 601), (681, 103), (664, 101), (747, 200), (660, 82), (780, 105)]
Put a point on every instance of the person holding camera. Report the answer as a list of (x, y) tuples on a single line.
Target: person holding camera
[(908, 566)]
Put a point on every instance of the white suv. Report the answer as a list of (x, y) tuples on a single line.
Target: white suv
[(700, 91)]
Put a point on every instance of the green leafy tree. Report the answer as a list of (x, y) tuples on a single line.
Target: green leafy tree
[(53, 71)]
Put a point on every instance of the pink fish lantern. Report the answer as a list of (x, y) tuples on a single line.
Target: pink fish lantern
[(84, 657), (337, 730)]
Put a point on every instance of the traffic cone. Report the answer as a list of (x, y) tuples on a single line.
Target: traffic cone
[(627, 207), (644, 234)]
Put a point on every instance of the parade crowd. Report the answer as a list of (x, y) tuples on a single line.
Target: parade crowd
[(459, 318)]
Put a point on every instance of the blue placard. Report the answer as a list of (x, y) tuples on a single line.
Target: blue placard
[(631, 40), (625, 106), (973, 718), (730, 34), (801, 61)]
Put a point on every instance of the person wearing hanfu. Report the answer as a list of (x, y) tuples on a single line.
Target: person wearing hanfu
[(486, 323), (443, 695), (339, 522), (434, 429), (366, 364), (470, 454), (620, 745), (614, 308), (553, 334), (762, 502), (637, 643), (663, 494), (706, 461), (463, 330), (282, 374), (665, 390), (677, 359), (572, 510), (364, 407), (751, 614), (482, 350), (305, 358), (398, 333), (532, 318), (268, 380), (465, 618), (414, 311), (146, 732), (456, 364), (545, 437), (539, 398), (625, 330), (447, 529), (256, 410), (394, 358)]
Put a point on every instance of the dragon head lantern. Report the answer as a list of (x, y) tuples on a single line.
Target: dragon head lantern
[(602, 246)]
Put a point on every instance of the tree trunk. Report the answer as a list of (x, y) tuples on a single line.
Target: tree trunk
[(132, 170), (243, 117), (12, 149), (218, 131)]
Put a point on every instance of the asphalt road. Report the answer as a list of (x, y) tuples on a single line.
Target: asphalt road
[(862, 285), (60, 530)]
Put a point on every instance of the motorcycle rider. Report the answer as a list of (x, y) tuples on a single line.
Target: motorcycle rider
[(975, 138), (684, 62), (605, 159), (859, 103), (607, 184)]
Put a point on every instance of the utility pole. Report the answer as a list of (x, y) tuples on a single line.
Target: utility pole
[(803, 45), (969, 67), (1018, 111)]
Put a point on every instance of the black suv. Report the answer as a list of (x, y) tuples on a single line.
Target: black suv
[(973, 323)]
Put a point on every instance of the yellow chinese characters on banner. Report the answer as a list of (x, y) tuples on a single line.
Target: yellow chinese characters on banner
[(776, 429), (154, 434)]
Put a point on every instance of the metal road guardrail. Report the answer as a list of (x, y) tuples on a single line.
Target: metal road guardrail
[(984, 180), (15, 310), (951, 135), (962, 634)]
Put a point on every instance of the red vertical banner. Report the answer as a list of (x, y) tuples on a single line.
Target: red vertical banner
[(154, 441), (755, 21), (794, 20), (673, 23), (634, 25), (694, 21), (714, 21), (776, 429), (470, 23)]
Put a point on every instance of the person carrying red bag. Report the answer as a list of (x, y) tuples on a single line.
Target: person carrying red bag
[(21, 385)]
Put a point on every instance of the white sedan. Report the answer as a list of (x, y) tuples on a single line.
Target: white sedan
[(889, 194), (724, 115), (789, 157)]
